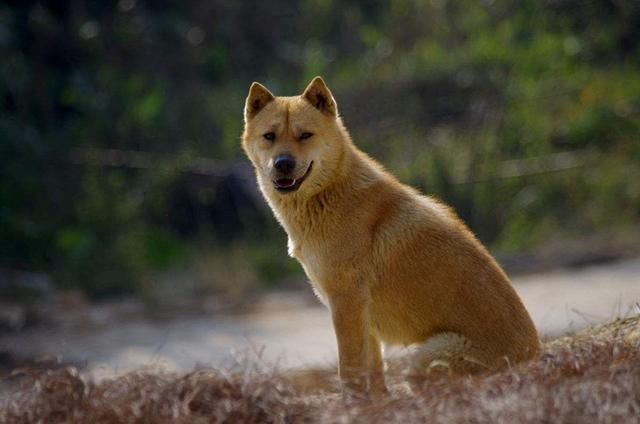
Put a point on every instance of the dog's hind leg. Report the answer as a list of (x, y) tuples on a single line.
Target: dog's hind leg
[(443, 353)]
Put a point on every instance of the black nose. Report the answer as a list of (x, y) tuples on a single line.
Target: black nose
[(284, 163)]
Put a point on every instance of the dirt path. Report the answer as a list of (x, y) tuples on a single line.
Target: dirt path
[(294, 334)]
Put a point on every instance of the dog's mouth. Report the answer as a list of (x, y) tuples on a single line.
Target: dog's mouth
[(287, 185)]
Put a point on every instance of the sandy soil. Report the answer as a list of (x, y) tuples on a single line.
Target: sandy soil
[(289, 330)]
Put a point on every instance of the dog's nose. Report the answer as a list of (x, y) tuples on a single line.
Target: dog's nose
[(284, 164)]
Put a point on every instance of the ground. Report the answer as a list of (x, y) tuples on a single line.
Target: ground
[(290, 328), (119, 365), (592, 376)]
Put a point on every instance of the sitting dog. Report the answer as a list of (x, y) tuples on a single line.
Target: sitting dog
[(393, 266)]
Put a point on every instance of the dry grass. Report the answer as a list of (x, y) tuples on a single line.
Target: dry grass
[(593, 376)]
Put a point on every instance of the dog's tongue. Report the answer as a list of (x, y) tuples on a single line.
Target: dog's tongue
[(285, 182)]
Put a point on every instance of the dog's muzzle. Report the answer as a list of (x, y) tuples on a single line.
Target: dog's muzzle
[(286, 184)]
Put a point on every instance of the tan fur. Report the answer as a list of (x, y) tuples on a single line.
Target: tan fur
[(393, 265)]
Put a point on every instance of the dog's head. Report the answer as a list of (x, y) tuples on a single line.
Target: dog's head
[(294, 142)]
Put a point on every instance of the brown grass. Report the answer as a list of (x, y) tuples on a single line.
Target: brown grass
[(593, 376)]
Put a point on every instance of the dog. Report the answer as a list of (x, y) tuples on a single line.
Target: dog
[(393, 266)]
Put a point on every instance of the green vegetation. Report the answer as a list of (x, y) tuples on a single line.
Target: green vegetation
[(120, 124)]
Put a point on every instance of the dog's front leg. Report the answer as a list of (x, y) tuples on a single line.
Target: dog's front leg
[(349, 325), (375, 366)]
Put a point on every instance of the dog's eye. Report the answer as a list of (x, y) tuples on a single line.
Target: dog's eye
[(270, 136), (305, 135)]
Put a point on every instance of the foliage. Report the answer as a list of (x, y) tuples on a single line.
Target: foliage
[(471, 101)]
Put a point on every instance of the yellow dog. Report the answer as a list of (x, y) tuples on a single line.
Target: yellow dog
[(394, 266)]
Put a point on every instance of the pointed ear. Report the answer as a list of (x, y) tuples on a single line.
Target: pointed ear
[(257, 99), (320, 97)]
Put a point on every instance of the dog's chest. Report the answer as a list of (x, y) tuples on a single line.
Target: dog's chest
[(314, 264)]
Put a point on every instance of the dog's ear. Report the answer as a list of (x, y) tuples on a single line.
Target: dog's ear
[(317, 93), (257, 99)]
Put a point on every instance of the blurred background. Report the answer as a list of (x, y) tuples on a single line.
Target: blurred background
[(122, 176)]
